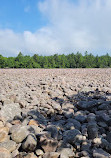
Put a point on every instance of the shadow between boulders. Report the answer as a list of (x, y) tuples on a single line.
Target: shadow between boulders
[(58, 130)]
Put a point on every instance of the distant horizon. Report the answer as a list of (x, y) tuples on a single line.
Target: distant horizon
[(32, 54), (48, 27)]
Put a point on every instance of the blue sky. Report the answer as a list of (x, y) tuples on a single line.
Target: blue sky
[(55, 26), (21, 15)]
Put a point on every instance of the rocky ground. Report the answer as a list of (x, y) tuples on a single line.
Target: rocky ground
[(55, 113)]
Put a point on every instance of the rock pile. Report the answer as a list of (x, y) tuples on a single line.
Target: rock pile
[(55, 113)]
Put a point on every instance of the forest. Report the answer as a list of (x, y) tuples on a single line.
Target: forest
[(56, 61)]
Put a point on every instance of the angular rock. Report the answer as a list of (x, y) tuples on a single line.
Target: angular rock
[(56, 106), (10, 111), (19, 134), (48, 144), (30, 143)]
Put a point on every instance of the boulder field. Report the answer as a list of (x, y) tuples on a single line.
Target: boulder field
[(55, 113)]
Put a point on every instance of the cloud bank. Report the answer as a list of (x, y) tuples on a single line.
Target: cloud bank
[(72, 26)]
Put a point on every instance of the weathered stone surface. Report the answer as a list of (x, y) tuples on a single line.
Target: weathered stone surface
[(48, 144), (81, 118), (39, 152), (33, 122), (4, 153), (30, 143), (53, 130), (92, 130), (76, 123), (87, 105), (91, 117), (19, 134), (66, 153), (70, 135), (16, 122), (4, 134), (10, 110), (97, 141), (9, 145), (100, 153)]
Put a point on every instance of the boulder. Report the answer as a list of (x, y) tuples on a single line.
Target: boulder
[(92, 130), (77, 124), (10, 111), (69, 136), (29, 143), (66, 153), (100, 153), (19, 134), (53, 130), (4, 153), (9, 145), (48, 144), (87, 105)]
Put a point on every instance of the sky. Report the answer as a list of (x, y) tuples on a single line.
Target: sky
[(47, 27)]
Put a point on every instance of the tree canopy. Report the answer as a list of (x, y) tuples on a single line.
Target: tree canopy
[(56, 61)]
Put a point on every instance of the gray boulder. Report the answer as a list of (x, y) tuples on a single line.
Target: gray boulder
[(19, 134), (10, 111), (70, 136), (92, 130), (53, 130), (100, 153), (30, 143), (87, 105)]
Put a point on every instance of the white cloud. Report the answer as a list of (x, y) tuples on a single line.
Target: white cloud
[(73, 26)]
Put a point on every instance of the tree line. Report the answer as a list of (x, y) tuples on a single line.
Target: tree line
[(56, 61)]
